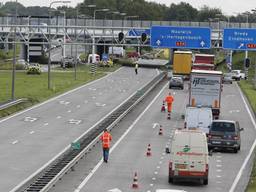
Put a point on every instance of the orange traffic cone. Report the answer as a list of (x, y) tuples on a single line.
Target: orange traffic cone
[(149, 150), (135, 184), (160, 130), (169, 116), (163, 107)]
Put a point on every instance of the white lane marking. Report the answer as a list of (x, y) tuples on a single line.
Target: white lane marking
[(153, 178), (218, 176), (78, 106), (85, 101), (158, 167), (219, 170), (92, 89), (119, 140), (100, 104), (218, 161), (93, 97), (162, 158), (15, 142), (234, 111), (58, 117), (31, 132), (160, 162), (30, 119), (239, 174), (218, 165), (69, 111), (151, 184), (155, 172), (155, 125), (219, 156), (57, 97), (74, 121), (230, 95), (219, 182), (64, 102), (46, 124)]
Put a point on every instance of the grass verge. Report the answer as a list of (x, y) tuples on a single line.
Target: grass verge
[(34, 87)]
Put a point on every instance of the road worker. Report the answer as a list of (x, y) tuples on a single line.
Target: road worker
[(136, 68), (169, 100), (106, 139)]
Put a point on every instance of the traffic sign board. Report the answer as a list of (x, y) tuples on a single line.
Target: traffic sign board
[(180, 37), (239, 39), (138, 32)]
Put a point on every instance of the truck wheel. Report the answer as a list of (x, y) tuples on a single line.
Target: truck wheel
[(235, 150), (205, 181), (170, 179)]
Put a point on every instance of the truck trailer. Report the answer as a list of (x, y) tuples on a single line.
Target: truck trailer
[(205, 90), (182, 63)]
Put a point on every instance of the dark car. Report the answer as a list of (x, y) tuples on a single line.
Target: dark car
[(176, 81), (67, 62), (224, 134)]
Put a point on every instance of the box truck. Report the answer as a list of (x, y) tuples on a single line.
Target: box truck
[(205, 90), (182, 63), (203, 62)]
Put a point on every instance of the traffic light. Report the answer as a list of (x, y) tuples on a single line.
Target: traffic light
[(143, 37), (247, 62), (120, 36)]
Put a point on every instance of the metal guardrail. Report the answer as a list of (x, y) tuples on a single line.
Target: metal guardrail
[(47, 177), (12, 103)]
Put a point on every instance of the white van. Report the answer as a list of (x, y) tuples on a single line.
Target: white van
[(189, 156), (198, 117)]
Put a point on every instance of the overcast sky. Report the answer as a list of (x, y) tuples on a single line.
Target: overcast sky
[(228, 7)]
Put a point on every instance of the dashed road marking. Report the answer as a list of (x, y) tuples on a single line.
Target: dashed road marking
[(30, 119), (219, 182), (158, 167), (31, 132), (64, 102), (69, 111), (151, 184), (160, 162), (15, 142), (162, 157), (218, 161), (156, 172), (219, 156), (218, 176), (153, 178), (93, 97), (219, 170), (74, 121), (78, 106), (218, 165), (85, 101), (46, 124), (58, 117)]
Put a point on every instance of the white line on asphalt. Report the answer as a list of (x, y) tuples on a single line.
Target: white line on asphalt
[(160, 162), (218, 161), (218, 165), (219, 170), (153, 178), (151, 184), (158, 167), (58, 117), (119, 140), (156, 172), (219, 156), (219, 182), (162, 157), (57, 97), (31, 132), (69, 111), (14, 142), (239, 174), (219, 176), (46, 124), (78, 106)]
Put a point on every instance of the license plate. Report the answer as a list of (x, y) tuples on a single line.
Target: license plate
[(216, 142), (180, 166)]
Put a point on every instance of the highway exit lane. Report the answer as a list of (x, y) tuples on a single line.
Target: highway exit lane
[(129, 156)]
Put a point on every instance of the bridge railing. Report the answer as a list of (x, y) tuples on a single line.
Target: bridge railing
[(119, 23)]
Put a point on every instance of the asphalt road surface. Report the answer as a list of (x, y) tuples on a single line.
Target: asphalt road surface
[(128, 152), (32, 138)]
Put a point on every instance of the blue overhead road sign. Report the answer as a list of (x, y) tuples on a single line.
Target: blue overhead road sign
[(239, 39), (138, 32), (180, 37)]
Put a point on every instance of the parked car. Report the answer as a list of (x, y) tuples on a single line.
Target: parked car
[(227, 78), (67, 62), (176, 81), (237, 75), (225, 134)]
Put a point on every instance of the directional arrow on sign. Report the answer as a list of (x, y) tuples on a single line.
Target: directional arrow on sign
[(114, 190), (158, 42), (240, 46), (202, 43)]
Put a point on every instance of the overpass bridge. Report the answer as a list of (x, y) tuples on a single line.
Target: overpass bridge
[(47, 33)]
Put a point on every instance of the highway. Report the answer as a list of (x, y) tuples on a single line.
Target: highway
[(131, 137), (32, 138)]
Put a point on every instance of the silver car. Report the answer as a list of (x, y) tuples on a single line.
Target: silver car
[(176, 81), (227, 78)]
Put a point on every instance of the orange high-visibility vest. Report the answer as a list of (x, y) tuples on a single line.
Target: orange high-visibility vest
[(169, 99), (106, 138)]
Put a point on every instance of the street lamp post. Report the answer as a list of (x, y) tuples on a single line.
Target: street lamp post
[(28, 40), (49, 41), (64, 39), (93, 39)]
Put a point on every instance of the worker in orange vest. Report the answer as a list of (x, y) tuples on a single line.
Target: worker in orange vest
[(106, 138), (169, 100)]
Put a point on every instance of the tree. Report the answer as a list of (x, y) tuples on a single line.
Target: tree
[(205, 13)]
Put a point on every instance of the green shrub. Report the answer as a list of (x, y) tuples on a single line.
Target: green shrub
[(20, 67), (34, 69)]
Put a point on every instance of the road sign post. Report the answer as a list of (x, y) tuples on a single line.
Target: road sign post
[(180, 37)]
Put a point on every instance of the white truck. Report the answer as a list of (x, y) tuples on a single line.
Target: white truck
[(205, 89), (117, 51)]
